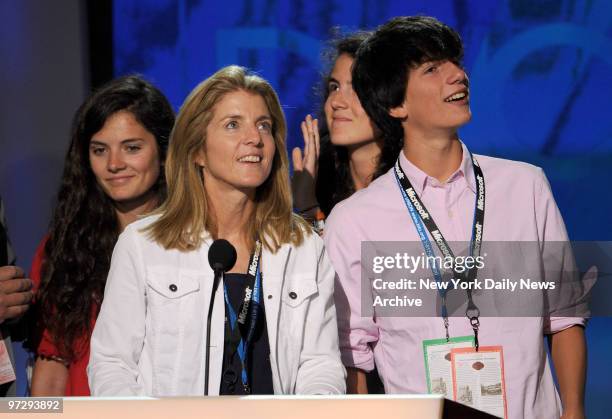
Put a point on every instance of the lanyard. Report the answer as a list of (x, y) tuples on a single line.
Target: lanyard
[(240, 327), (422, 219)]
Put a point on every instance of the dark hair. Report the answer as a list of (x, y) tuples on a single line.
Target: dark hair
[(334, 180), (84, 226), (382, 64)]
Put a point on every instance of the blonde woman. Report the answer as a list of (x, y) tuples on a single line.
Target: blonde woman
[(227, 174)]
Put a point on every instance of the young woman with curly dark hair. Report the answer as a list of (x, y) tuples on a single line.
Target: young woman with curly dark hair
[(353, 151), (113, 173)]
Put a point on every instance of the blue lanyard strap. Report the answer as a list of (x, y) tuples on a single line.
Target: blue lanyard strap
[(418, 223), (240, 327), (422, 220)]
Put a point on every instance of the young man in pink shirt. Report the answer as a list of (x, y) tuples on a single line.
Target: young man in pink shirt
[(409, 78)]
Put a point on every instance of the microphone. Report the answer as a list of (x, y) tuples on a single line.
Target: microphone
[(221, 257)]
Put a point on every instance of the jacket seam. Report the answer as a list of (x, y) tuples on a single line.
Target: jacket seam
[(280, 382)]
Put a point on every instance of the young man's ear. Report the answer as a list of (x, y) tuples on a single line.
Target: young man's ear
[(399, 112)]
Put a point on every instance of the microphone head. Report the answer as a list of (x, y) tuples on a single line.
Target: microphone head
[(221, 255)]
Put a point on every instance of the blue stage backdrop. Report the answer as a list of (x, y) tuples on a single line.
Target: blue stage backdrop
[(541, 83)]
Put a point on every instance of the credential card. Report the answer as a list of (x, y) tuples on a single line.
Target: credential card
[(7, 373), (438, 369), (479, 380)]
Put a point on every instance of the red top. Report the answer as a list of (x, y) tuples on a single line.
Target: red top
[(77, 384)]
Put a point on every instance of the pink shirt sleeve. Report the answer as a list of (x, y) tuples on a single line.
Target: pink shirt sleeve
[(553, 236), (356, 333)]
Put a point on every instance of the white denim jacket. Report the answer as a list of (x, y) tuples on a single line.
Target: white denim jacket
[(149, 339)]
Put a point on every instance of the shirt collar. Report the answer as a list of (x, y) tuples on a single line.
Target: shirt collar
[(467, 169), (417, 177), (420, 179)]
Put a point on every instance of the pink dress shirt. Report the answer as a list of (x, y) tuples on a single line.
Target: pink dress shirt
[(519, 207)]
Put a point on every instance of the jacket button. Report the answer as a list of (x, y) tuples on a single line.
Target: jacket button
[(173, 287), (269, 296), (292, 295)]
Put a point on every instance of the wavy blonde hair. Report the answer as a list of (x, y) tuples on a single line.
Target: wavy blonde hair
[(185, 216)]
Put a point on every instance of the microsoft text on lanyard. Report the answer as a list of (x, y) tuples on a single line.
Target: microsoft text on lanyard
[(239, 333), (422, 219)]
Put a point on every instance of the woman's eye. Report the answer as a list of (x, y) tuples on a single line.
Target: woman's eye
[(332, 86), (431, 69), (97, 151), (231, 125), (264, 126), (132, 148)]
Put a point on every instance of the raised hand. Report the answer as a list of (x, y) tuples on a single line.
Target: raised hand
[(305, 166)]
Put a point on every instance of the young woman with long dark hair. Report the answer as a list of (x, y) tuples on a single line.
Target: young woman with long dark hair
[(113, 173), (352, 152)]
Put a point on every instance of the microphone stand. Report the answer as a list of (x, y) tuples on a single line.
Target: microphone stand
[(216, 280)]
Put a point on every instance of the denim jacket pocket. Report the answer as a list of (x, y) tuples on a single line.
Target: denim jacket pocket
[(299, 289), (172, 285), (173, 298)]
